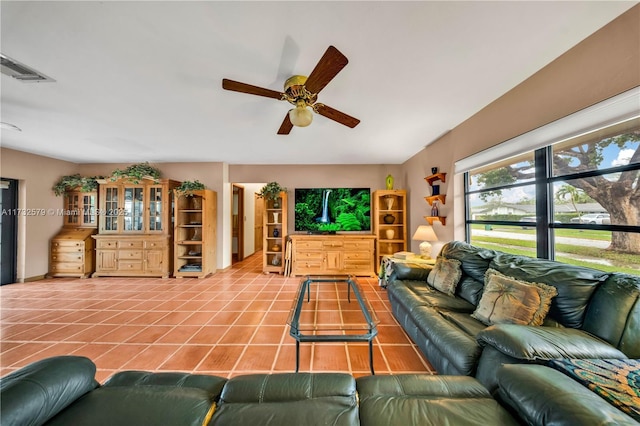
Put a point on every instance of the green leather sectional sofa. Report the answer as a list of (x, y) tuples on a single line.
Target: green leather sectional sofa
[(63, 391)]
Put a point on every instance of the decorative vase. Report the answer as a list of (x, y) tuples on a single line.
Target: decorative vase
[(275, 247), (389, 219), (434, 209), (389, 201), (276, 203), (196, 203), (276, 216), (390, 233), (197, 234), (389, 182), (276, 261), (434, 170), (435, 190), (276, 232)]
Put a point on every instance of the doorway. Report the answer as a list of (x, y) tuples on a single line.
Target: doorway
[(8, 231), (237, 224)]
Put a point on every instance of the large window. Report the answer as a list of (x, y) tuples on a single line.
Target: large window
[(577, 201)]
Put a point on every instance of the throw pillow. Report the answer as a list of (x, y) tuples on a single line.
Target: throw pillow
[(445, 275), (546, 292), (506, 300)]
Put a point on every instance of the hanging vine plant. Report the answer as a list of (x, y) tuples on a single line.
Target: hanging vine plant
[(67, 183), (187, 187), (136, 172)]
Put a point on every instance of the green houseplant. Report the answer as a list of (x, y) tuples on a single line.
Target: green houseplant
[(66, 183), (271, 191), (187, 187), (136, 172)]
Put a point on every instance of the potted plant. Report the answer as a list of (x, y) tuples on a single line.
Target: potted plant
[(136, 172), (187, 187), (66, 183), (271, 192)]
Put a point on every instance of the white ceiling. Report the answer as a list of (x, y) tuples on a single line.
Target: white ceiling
[(141, 81)]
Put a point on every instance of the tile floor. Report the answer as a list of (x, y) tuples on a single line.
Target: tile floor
[(231, 323)]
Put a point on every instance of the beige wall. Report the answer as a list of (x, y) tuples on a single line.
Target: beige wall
[(36, 176), (603, 65)]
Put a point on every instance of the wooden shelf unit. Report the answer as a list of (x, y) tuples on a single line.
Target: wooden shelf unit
[(195, 234), (273, 260), (396, 207), (436, 197)]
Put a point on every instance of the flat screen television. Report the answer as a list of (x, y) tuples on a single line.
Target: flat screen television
[(328, 210)]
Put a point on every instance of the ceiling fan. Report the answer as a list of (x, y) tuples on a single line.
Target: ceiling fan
[(303, 92)]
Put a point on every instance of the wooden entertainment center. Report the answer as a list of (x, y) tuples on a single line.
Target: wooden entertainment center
[(333, 254)]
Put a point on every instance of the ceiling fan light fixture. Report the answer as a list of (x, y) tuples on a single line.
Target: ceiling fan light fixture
[(300, 116)]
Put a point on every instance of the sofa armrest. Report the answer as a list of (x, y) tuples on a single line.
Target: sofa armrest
[(543, 396), (407, 271), (39, 391), (531, 343)]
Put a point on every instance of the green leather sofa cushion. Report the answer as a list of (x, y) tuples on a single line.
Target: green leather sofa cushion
[(427, 400), (575, 284), (143, 398), (475, 262), (534, 343), (543, 396), (288, 399), (37, 392), (418, 293), (617, 300)]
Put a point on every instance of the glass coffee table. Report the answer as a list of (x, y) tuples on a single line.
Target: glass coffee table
[(325, 312)]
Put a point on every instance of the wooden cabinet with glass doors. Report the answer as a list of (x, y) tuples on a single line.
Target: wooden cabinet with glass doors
[(135, 228), (71, 252)]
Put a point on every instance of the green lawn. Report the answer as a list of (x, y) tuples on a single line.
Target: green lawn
[(566, 253)]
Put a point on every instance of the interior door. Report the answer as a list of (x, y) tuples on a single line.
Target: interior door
[(8, 230), (237, 224), (257, 223)]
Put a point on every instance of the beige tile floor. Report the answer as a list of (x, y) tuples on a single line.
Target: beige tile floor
[(231, 323)]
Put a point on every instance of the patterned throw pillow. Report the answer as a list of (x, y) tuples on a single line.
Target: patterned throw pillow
[(511, 301), (547, 292), (445, 275)]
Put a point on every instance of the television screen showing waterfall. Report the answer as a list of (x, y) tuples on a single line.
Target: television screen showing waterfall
[(332, 209)]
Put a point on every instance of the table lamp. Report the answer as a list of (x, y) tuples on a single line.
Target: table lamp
[(425, 233)]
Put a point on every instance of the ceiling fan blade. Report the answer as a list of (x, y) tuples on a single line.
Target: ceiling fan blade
[(286, 126), (236, 86), (328, 67), (336, 115)]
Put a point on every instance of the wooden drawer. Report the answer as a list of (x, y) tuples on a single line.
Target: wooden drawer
[(68, 257), (131, 244), (107, 244), (66, 244), (358, 245), (67, 249), (309, 244), (332, 244), (159, 244), (71, 268), (130, 265), (309, 266), (309, 255), (358, 255), (358, 264), (129, 254)]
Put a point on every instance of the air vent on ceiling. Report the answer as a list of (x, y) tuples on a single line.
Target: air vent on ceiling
[(21, 72)]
